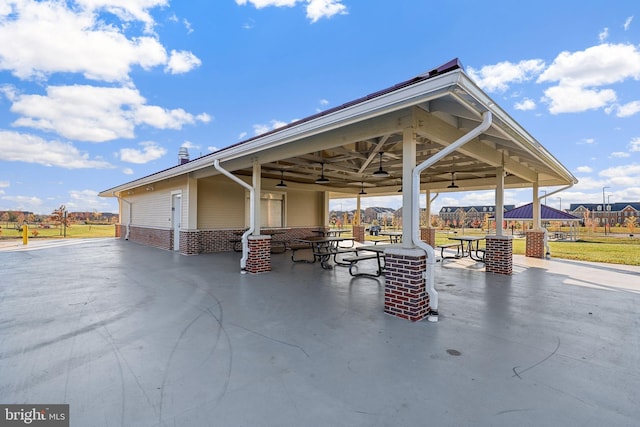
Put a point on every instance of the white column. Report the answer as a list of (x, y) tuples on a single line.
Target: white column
[(408, 164), (499, 201), (428, 207), (192, 200), (257, 186), (536, 206)]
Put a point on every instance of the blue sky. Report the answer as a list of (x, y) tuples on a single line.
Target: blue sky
[(95, 93)]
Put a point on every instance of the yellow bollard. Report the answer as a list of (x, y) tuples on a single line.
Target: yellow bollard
[(25, 234)]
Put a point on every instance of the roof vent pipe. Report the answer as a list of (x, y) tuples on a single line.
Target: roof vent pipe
[(415, 188), (183, 155)]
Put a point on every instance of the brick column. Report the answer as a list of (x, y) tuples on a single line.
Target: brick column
[(358, 233), (259, 260), (405, 290), (190, 242), (498, 256), (535, 243), (428, 235)]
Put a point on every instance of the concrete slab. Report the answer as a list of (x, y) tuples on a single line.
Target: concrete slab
[(134, 336)]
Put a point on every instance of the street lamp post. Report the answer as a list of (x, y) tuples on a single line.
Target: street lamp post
[(560, 198), (603, 210)]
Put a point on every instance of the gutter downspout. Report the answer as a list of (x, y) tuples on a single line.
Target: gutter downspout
[(126, 235), (546, 235), (415, 189), (245, 241)]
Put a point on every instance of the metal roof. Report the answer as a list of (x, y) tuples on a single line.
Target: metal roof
[(547, 213)]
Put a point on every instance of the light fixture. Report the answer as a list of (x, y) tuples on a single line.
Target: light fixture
[(322, 179), (380, 173), (453, 183), (281, 184), (362, 192)]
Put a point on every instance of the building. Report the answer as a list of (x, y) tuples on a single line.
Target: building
[(468, 216), (438, 132), (611, 214)]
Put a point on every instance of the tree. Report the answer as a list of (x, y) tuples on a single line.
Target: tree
[(630, 223)]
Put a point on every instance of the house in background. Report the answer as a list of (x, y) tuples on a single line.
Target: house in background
[(611, 214)]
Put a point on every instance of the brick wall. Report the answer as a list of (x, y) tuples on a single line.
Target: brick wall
[(405, 291), (428, 235), (194, 242), (154, 237), (499, 255), (358, 233), (259, 260), (535, 243)]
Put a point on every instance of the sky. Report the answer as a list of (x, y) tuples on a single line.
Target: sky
[(96, 93)]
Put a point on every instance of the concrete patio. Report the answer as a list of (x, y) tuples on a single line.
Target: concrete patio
[(129, 335)]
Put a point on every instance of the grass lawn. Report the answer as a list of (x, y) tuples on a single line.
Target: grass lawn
[(614, 249), (76, 230)]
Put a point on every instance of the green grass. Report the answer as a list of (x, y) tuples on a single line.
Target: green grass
[(76, 230), (613, 249)]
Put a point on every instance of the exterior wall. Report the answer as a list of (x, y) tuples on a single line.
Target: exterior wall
[(221, 204), (155, 237), (405, 290), (303, 209)]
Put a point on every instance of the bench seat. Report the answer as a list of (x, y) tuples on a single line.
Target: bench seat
[(353, 260)]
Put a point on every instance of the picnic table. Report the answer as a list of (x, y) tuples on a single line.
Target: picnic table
[(322, 248), (378, 255), (475, 253), (394, 236)]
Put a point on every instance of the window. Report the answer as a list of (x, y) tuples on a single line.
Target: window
[(272, 209)]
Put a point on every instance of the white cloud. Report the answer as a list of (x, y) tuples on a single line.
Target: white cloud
[(587, 141), (150, 151), (18, 147), (525, 105), (242, 135), (628, 109), (584, 169), (627, 23), (182, 62), (622, 176), (24, 203), (498, 77), (595, 66), (126, 10), (575, 99), (96, 114), (4, 184), (580, 74), (604, 35), (316, 9), (634, 145), (86, 201), (127, 171), (82, 43), (620, 154), (259, 129)]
